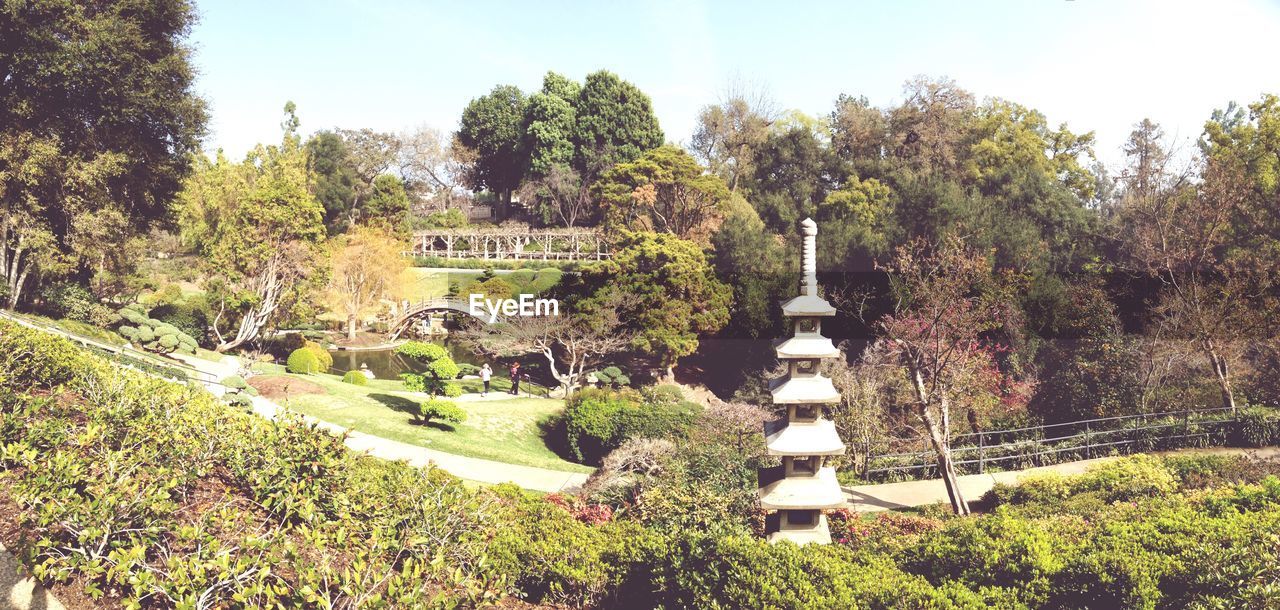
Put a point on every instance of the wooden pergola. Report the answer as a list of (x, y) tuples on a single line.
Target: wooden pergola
[(511, 244)]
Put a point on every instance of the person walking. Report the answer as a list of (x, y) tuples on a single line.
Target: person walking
[(486, 374), (515, 378)]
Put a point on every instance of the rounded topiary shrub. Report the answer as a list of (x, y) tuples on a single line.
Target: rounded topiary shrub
[(188, 319), (441, 411), (355, 378), (322, 354), (303, 361), (154, 335)]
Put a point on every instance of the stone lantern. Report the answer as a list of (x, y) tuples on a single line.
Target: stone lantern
[(799, 491)]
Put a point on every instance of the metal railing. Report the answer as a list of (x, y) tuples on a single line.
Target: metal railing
[(127, 356), (1016, 448)]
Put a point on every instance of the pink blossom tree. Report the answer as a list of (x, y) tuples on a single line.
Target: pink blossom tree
[(948, 303)]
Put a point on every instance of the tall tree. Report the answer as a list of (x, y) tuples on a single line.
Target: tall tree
[(97, 112), (365, 265), (490, 130), (728, 134), (429, 166), (1213, 297), (664, 190), (615, 122), (664, 290), (928, 130), (859, 132), (257, 225), (947, 300), (550, 120), (348, 164), (794, 171)]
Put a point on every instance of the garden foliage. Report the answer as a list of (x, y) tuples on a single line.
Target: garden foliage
[(147, 493), (154, 335)]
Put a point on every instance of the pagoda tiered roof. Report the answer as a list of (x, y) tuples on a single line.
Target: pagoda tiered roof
[(807, 346), (814, 492), (803, 390), (802, 438), (807, 305)]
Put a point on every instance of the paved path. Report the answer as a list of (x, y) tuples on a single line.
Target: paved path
[(19, 592), (887, 496)]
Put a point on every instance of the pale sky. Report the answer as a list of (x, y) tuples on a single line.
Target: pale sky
[(1098, 65)]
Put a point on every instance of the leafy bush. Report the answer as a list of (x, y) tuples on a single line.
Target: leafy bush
[(440, 368), (355, 378), (322, 354), (465, 369), (441, 411), (154, 335), (1122, 479), (598, 421), (1256, 427), (189, 318), (610, 377), (303, 361)]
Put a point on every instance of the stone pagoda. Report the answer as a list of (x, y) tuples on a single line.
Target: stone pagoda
[(799, 491)]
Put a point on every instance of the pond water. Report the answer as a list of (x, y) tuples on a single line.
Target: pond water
[(387, 364)]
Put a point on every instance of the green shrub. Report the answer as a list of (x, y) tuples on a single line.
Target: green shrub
[(189, 318), (440, 368), (441, 411), (1121, 479), (598, 421), (68, 300), (235, 382), (1256, 427), (611, 377), (355, 378), (322, 354), (465, 369), (303, 361), (154, 335)]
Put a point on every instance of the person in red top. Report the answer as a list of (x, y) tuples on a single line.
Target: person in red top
[(515, 378)]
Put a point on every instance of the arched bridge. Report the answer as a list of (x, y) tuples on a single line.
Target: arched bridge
[(416, 311)]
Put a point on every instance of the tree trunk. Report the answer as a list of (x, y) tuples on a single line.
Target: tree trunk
[(351, 327), (946, 468), (1222, 371), (939, 437)]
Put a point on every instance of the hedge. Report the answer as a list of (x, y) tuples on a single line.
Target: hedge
[(150, 493)]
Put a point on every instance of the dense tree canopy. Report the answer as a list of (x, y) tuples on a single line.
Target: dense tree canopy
[(662, 288), (664, 190), (257, 226), (87, 136)]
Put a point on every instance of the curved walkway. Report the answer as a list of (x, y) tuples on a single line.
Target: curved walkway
[(889, 496)]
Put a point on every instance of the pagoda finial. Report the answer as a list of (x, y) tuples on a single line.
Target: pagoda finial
[(809, 264)]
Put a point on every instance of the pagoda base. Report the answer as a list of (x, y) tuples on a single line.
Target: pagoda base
[(777, 530)]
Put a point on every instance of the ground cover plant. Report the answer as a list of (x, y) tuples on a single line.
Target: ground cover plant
[(141, 492)]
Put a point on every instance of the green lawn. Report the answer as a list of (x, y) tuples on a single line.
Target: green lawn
[(500, 430), (423, 284)]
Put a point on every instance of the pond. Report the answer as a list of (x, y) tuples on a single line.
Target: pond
[(387, 364)]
